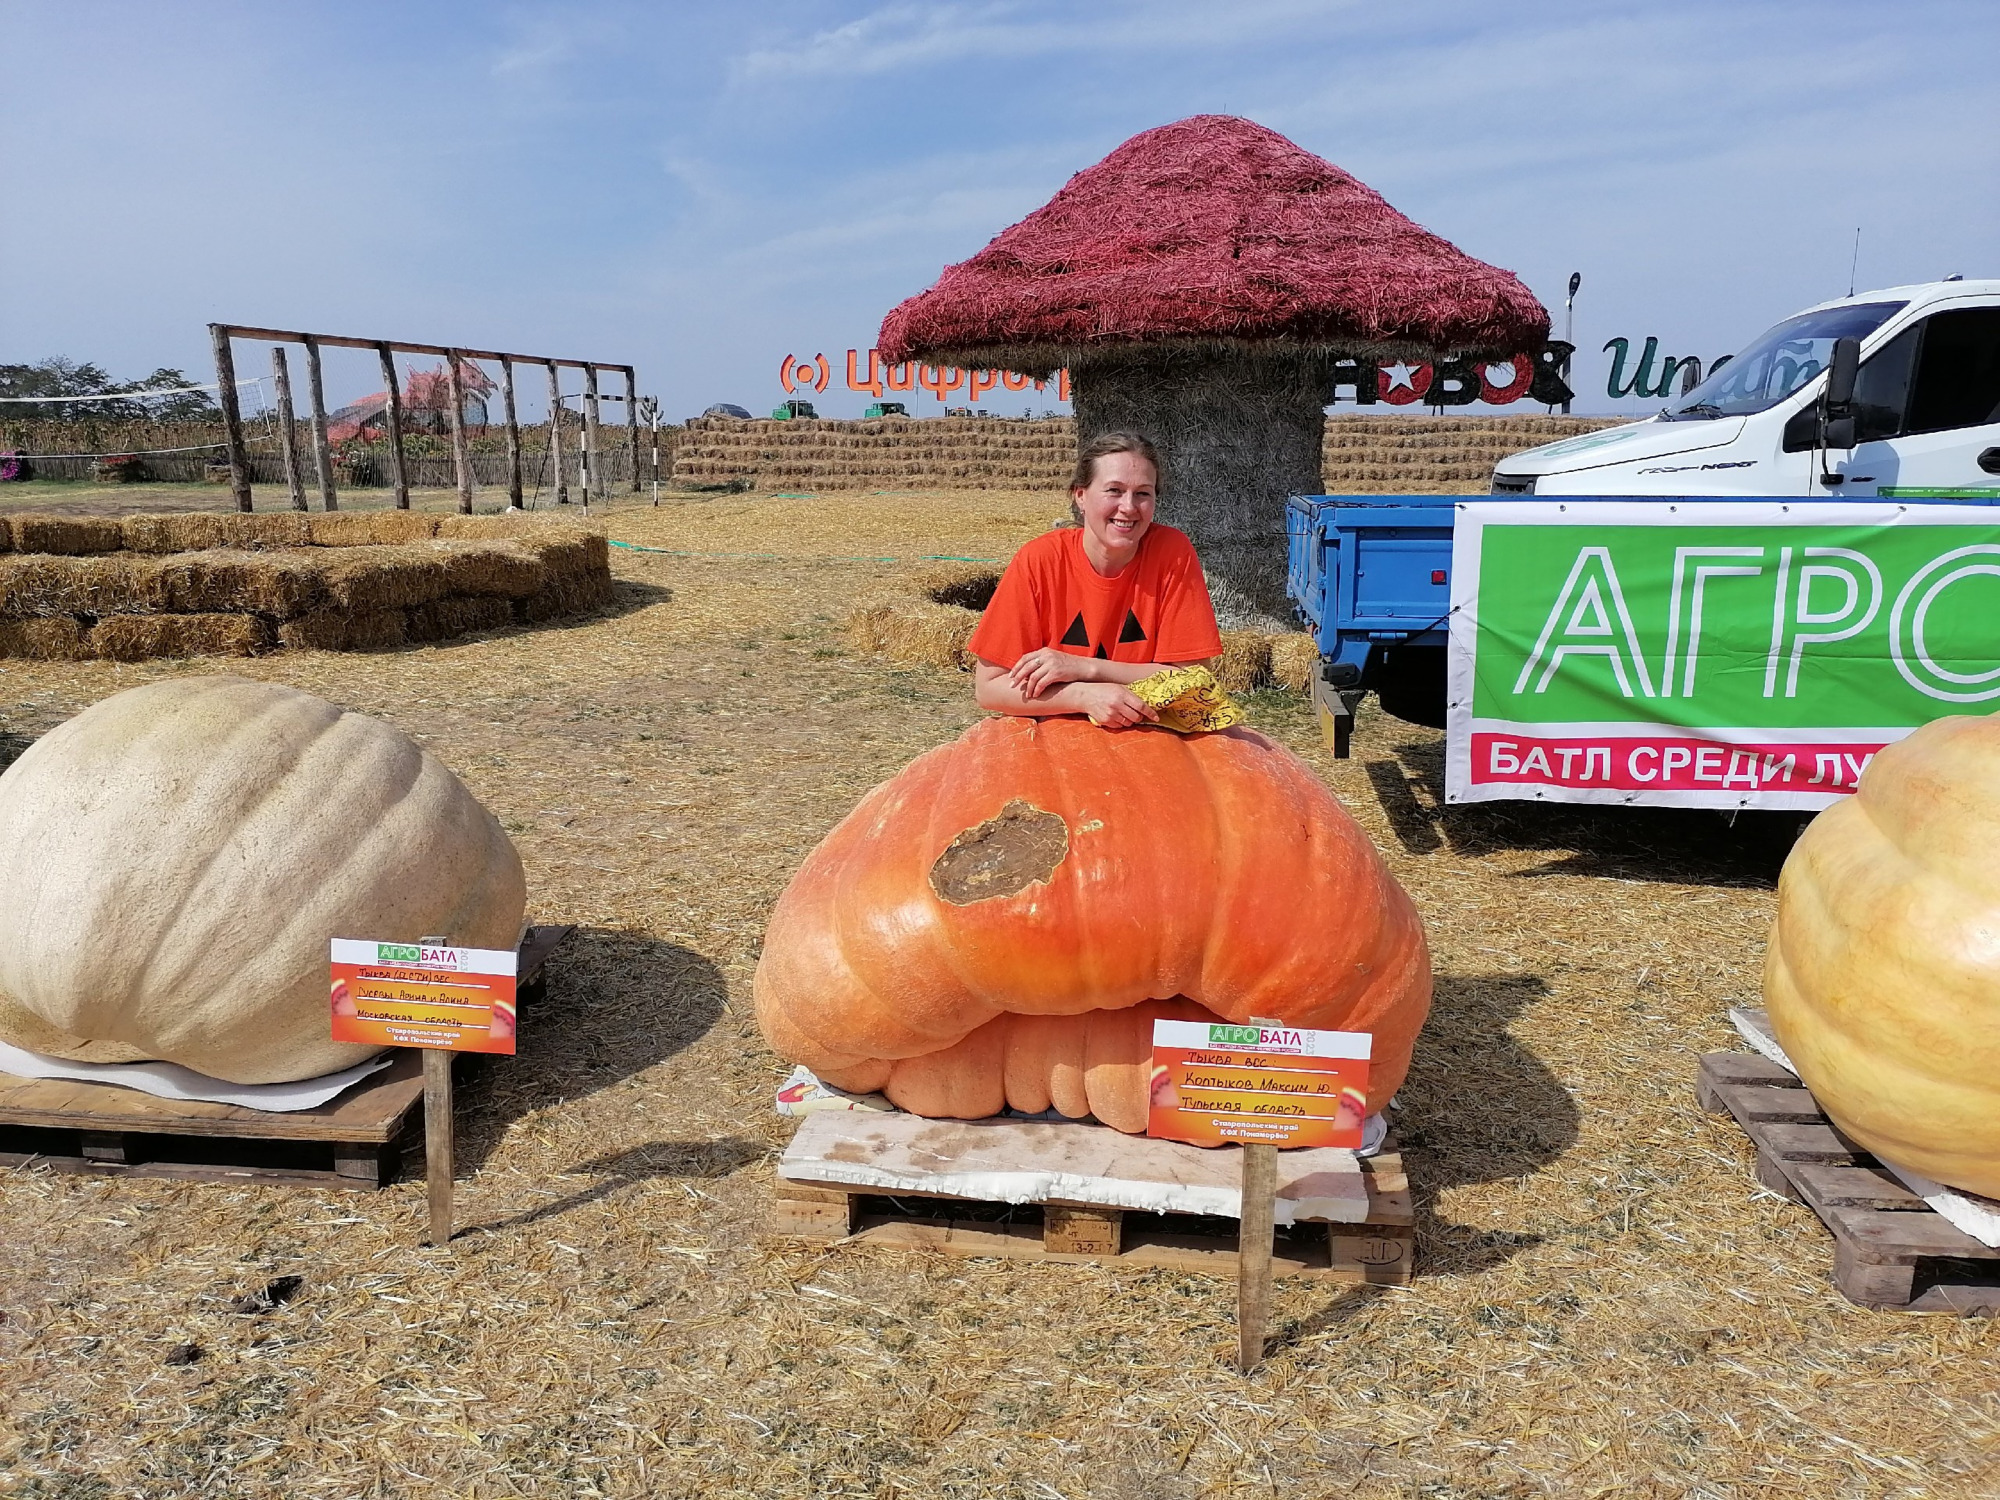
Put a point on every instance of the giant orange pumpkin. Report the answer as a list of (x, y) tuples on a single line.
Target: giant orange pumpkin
[(1883, 977), (1000, 924)]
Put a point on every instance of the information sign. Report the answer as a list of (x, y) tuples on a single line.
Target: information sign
[(1714, 653), (1217, 1085), (417, 995)]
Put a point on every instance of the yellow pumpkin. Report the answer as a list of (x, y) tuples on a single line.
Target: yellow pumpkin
[(1883, 977), (175, 859)]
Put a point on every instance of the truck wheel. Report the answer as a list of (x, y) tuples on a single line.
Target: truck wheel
[(1411, 685)]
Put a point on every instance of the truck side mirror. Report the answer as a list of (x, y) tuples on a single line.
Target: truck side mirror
[(1841, 370)]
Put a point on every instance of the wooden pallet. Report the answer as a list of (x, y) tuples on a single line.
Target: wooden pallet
[(1372, 1240), (352, 1141), (1891, 1249)]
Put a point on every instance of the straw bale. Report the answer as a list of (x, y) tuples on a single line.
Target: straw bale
[(53, 638), (345, 630), (913, 630), (285, 528), (485, 528), (442, 619), (570, 552), (1245, 661), (172, 533), (65, 536), (279, 584), (143, 637), (1294, 661), (362, 577), (501, 569), (370, 528), (564, 596), (44, 584)]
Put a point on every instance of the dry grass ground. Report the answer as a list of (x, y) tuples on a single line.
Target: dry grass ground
[(1605, 1305)]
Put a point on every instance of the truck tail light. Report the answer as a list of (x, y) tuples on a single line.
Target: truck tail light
[(1437, 575)]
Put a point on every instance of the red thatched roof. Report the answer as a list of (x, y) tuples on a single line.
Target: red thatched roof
[(1213, 230)]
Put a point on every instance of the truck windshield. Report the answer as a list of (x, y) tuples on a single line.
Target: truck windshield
[(1778, 363)]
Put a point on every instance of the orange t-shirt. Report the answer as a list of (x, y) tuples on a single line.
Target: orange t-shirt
[(1156, 609)]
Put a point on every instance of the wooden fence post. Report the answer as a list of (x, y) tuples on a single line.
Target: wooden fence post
[(461, 455), (632, 420), (232, 414), (555, 433), (322, 454), (1253, 1253), (513, 435), (288, 427), (593, 476), (438, 1132), (393, 410)]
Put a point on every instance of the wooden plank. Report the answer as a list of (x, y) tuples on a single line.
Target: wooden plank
[(322, 450), (340, 341), (288, 428), (536, 946), (632, 421), (1887, 1241), (368, 1163), (1827, 1186), (232, 414), (1376, 1254), (438, 1137), (76, 1166), (1253, 1252), (513, 434), (1814, 1140), (461, 453), (1962, 1301), (1082, 1231), (1021, 1161), (1719, 1069), (1763, 1103), (1899, 1238), (594, 487), (1205, 1255), (1336, 719), (555, 432), (1871, 1283), (393, 413)]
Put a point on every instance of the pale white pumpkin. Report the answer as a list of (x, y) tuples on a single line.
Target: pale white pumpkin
[(174, 860)]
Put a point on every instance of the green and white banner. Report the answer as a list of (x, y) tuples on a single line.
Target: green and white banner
[(1689, 653)]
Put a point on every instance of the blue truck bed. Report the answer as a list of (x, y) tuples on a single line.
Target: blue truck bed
[(1370, 576)]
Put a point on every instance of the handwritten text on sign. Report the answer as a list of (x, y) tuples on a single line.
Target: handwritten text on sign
[(415, 995), (1214, 1085)]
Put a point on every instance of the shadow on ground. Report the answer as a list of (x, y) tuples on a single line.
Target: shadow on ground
[(620, 1169), (11, 746), (1477, 1107), (617, 1003), (1685, 846)]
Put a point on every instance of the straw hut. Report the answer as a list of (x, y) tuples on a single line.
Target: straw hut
[(1199, 284)]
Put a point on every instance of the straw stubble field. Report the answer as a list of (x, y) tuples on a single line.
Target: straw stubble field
[(1606, 1303)]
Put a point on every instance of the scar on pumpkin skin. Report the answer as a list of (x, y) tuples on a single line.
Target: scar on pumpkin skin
[(1020, 848)]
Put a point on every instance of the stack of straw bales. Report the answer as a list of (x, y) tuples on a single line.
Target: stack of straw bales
[(927, 617), (1361, 455), (128, 588)]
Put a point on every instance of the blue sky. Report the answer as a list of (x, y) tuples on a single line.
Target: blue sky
[(701, 189)]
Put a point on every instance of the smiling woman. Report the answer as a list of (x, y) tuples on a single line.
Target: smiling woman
[(1083, 612)]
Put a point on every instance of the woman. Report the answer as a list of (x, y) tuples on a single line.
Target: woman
[(1081, 613)]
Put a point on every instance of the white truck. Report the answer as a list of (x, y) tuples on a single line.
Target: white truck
[(1893, 394)]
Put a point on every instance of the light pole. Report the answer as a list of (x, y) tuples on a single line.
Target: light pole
[(1569, 326)]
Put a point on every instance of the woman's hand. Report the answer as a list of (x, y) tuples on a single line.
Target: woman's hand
[(1038, 671), (1112, 705)]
